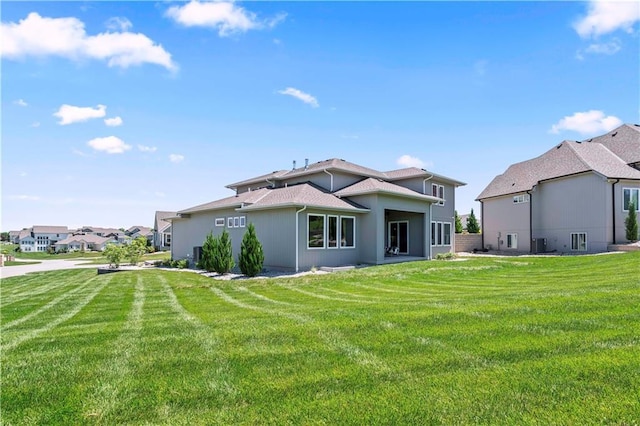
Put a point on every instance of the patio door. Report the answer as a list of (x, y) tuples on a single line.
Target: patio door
[(399, 236)]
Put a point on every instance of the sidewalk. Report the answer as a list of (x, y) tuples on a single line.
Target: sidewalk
[(44, 265)]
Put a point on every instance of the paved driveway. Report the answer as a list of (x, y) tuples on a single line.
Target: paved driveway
[(44, 265)]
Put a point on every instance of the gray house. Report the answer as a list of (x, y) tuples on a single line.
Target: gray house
[(573, 198), (330, 213), (162, 230)]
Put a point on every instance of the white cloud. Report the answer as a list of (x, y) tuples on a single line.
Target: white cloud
[(79, 153), (21, 102), (226, 17), (35, 124), (72, 114), (113, 122), (610, 48), (24, 197), (304, 97), (110, 145), (66, 37), (144, 148), (606, 17), (589, 122), (409, 161), (118, 23), (176, 158)]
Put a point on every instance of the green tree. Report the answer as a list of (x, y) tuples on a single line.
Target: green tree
[(222, 254), (472, 224), (208, 250), (136, 249), (114, 255), (631, 223), (251, 258), (458, 222), (4, 236)]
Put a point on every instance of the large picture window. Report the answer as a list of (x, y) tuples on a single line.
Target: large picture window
[(629, 195), (315, 227), (440, 233), (347, 231)]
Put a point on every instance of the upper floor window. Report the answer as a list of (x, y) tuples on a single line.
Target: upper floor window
[(522, 198), (438, 191), (630, 195)]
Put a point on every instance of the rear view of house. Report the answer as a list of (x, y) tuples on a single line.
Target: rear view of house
[(329, 213), (572, 199)]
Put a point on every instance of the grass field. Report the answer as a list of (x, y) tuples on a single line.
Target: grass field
[(488, 340)]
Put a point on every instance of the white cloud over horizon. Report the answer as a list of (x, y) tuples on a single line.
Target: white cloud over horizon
[(605, 17), (587, 123), (144, 148), (300, 95), (66, 37), (113, 122), (21, 102), (226, 17), (69, 114), (409, 161), (109, 144), (176, 158)]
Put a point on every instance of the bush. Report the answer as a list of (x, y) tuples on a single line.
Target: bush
[(251, 258), (114, 255), (136, 249), (222, 254), (208, 252), (631, 224), (472, 224), (445, 256)]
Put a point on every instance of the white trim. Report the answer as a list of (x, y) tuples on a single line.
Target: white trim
[(298, 237), (389, 234), (353, 218), (514, 241), (219, 221), (522, 198), (243, 221), (631, 191), (324, 231), (337, 244), (229, 222), (586, 247)]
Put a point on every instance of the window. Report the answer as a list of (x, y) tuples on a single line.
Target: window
[(512, 241), (229, 222), (236, 222), (332, 232), (315, 231), (446, 231), (522, 198), (220, 221), (629, 195), (434, 233), (347, 231), (243, 221), (438, 191), (579, 241)]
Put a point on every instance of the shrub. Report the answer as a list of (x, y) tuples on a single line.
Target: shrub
[(182, 263), (223, 255), (251, 258), (631, 223), (472, 224), (114, 255), (458, 222), (445, 256), (136, 249), (208, 252)]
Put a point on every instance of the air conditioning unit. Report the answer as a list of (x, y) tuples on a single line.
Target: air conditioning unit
[(539, 245)]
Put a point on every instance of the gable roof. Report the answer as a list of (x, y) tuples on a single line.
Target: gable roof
[(414, 172), (623, 142), (38, 229), (87, 238), (161, 223), (567, 158), (377, 186)]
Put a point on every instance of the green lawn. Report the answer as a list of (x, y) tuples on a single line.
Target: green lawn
[(488, 340), (19, 263)]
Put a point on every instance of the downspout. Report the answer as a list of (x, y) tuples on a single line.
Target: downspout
[(430, 230), (424, 184), (325, 170), (297, 235), (272, 183), (530, 220), (613, 208), (482, 224)]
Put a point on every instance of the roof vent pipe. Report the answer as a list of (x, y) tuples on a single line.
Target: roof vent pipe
[(294, 165), (306, 163)]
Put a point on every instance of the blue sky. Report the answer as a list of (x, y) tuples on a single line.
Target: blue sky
[(113, 110)]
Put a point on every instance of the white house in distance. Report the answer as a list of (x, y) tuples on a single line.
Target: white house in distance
[(162, 230), (572, 199), (40, 238)]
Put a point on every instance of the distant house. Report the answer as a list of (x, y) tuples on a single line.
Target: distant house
[(162, 230), (84, 242), (40, 238), (330, 213), (14, 237), (574, 198), (101, 232), (140, 231)]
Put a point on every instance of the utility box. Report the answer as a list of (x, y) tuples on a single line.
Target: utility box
[(539, 245)]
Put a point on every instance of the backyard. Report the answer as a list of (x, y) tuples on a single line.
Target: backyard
[(492, 340)]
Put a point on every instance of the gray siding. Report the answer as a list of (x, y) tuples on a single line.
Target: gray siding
[(620, 214), (275, 230), (501, 217)]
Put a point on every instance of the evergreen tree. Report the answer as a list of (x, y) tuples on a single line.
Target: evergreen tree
[(251, 258), (208, 250), (472, 224), (458, 222), (222, 254), (631, 223)]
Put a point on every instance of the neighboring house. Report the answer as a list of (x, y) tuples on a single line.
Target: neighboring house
[(162, 230), (331, 213), (140, 231), (84, 242), (14, 237), (101, 232), (573, 198), (40, 238)]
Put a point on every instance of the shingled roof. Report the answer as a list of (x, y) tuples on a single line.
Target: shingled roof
[(377, 186), (568, 158), (623, 142)]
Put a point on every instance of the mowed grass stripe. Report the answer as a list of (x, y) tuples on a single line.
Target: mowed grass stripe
[(11, 293), (13, 340), (114, 372)]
